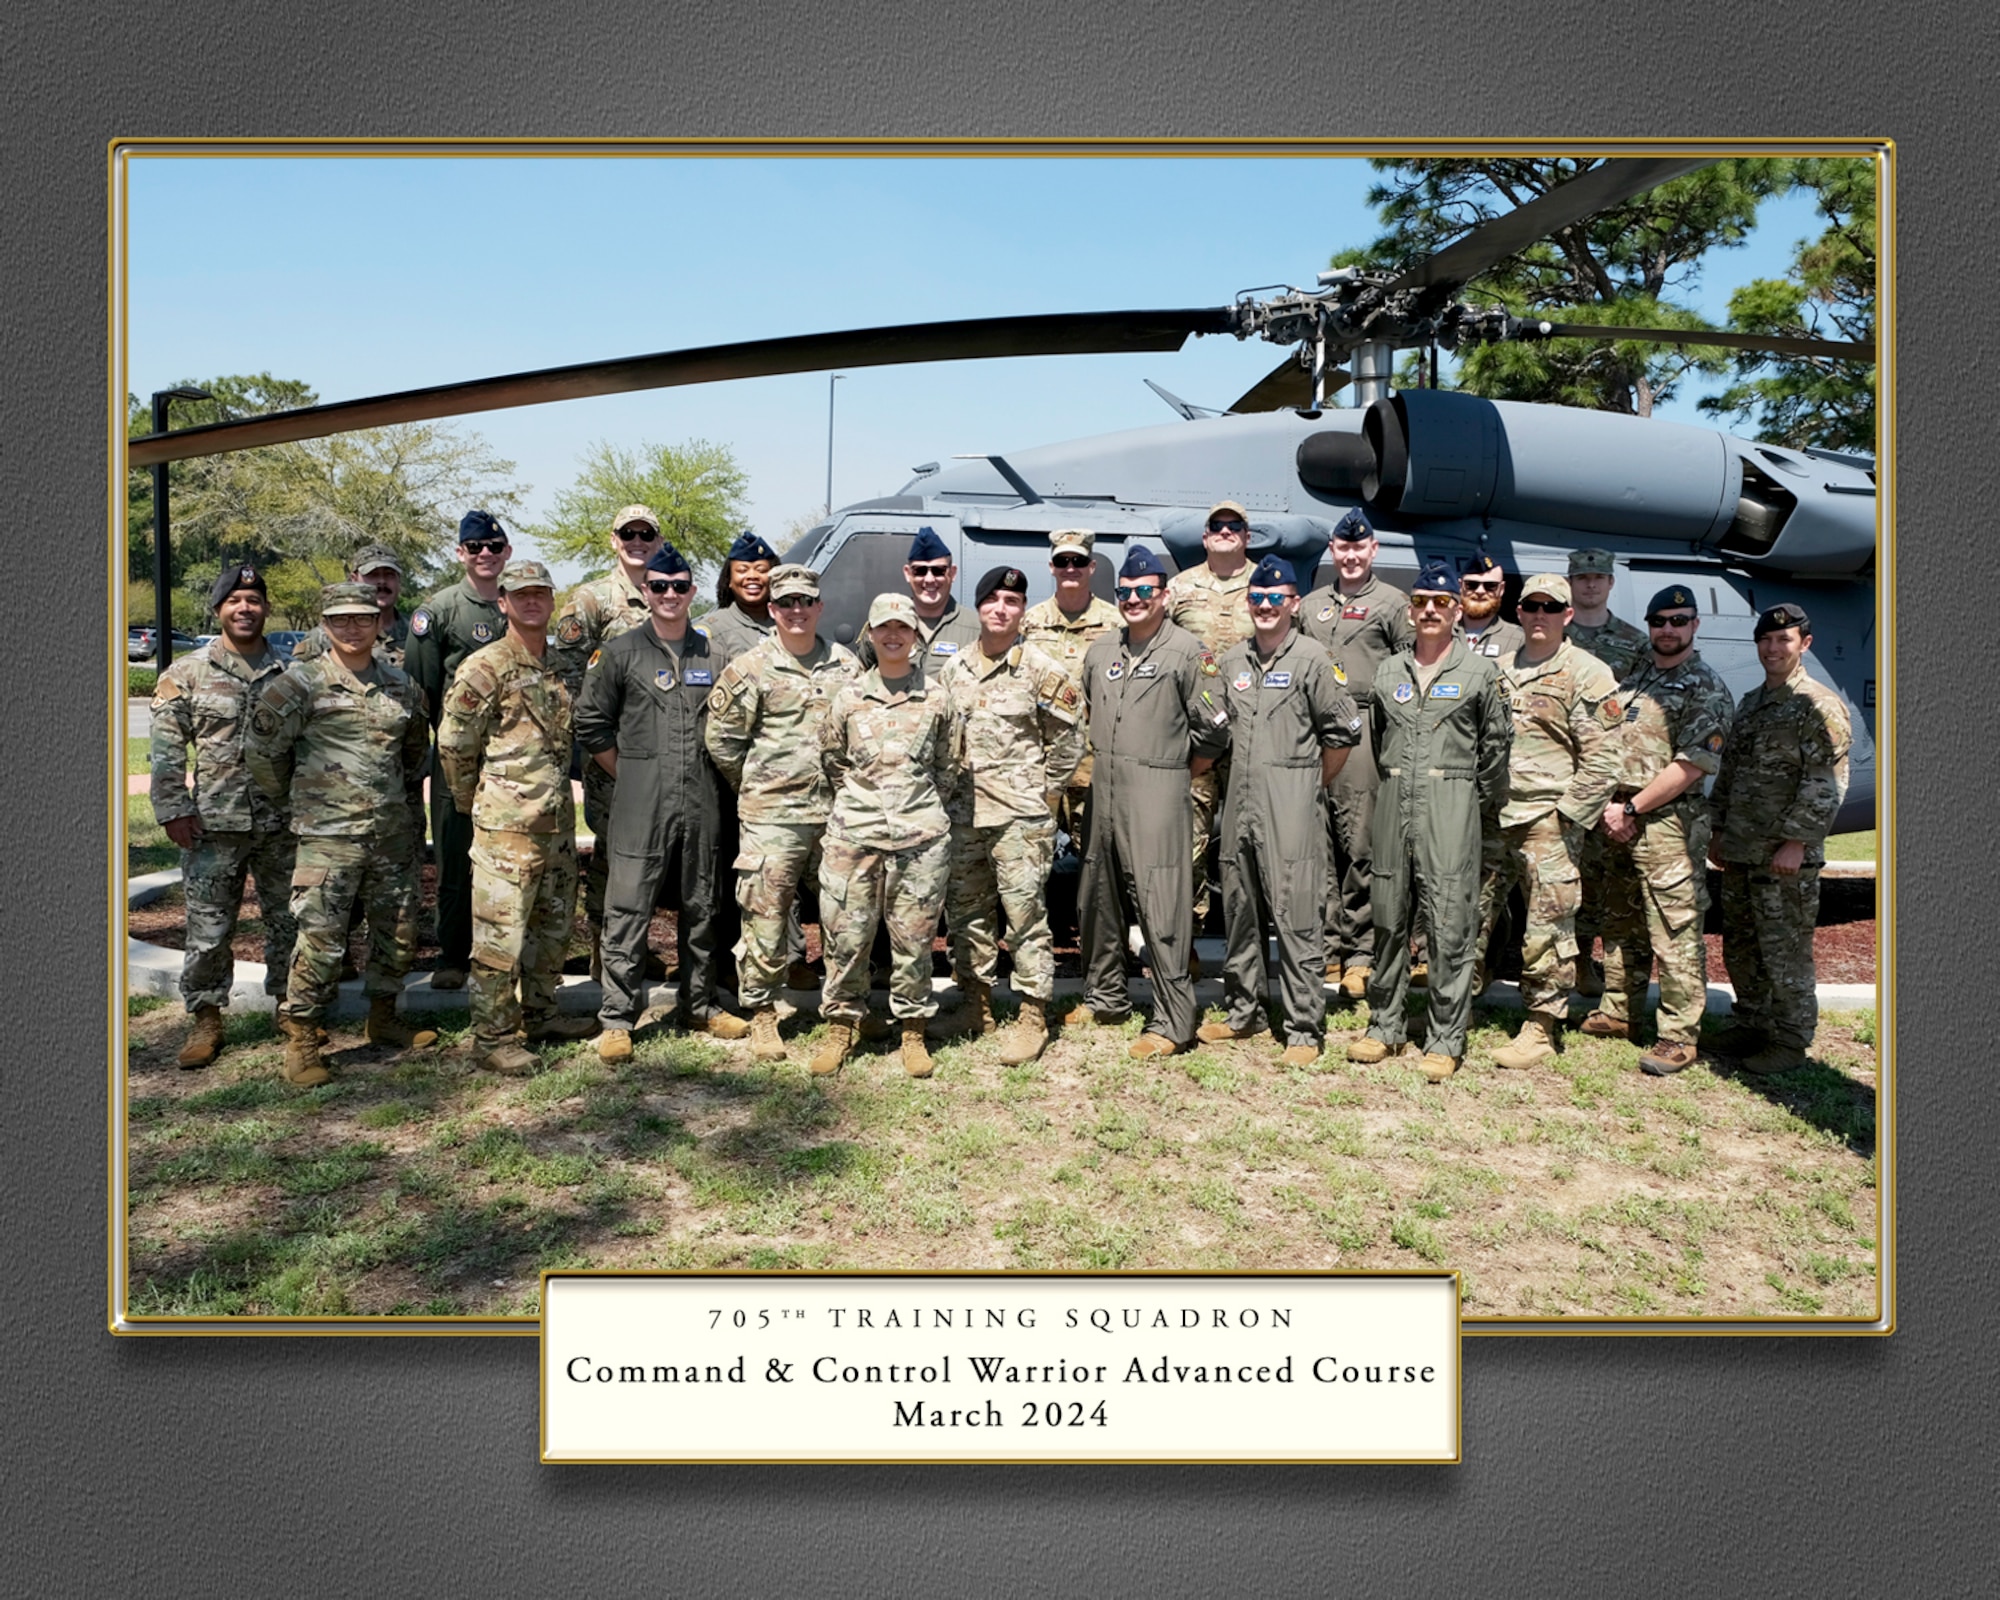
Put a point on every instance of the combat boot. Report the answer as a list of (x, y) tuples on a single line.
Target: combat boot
[(1367, 1051), (614, 1045), (1436, 1067), (1600, 1026), (1087, 1016), (1148, 1045), (916, 1056), (204, 1038), (765, 1045), (1222, 1033), (1354, 983), (1420, 975), (1299, 1055), (553, 1026), (834, 1047), (1533, 1045), (1774, 1058), (1333, 972), (724, 1025), (1028, 1037), (973, 1012), (385, 1027), (508, 1056), (448, 978), (1668, 1057), (303, 1066)]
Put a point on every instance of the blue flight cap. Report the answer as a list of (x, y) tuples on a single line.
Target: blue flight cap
[(1436, 578), (668, 562), (1141, 562), (927, 546), (1352, 527), (1672, 598), (748, 547), (480, 525), (1275, 570)]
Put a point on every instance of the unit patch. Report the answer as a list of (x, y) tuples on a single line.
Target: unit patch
[(1405, 693), (664, 677), (483, 632), (1209, 667), (1340, 674), (1326, 613), (1114, 672), (1241, 681), (420, 622)]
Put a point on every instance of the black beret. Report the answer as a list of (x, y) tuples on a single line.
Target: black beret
[(1672, 598), (1482, 563), (1780, 617), (244, 576), (668, 562), (748, 547), (1012, 579)]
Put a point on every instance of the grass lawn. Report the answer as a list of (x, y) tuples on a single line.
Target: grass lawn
[(1851, 846), (414, 1185), (147, 847), (138, 756)]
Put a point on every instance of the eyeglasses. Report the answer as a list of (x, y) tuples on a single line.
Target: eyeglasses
[(1070, 563), (1431, 602), (1483, 585), (1538, 607), (1268, 597), (349, 619), (936, 569), (636, 533), (1682, 621), (795, 602), (669, 585), (483, 547), (1137, 591), (1228, 525)]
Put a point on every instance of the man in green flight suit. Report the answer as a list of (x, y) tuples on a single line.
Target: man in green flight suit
[(1441, 735), (444, 630)]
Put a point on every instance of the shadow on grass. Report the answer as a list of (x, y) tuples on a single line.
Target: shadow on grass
[(1819, 1097)]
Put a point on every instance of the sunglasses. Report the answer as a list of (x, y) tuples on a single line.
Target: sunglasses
[(1670, 622), (1539, 607), (669, 585), (483, 547), (636, 533), (794, 602), (1268, 597), (1071, 563), (1229, 525), (1432, 602), (1137, 591), (1483, 585), (940, 569)]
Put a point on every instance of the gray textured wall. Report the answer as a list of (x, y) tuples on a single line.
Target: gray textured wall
[(1591, 1467)]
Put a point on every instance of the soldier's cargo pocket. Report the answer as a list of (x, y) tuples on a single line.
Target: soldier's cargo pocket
[(308, 877), (1303, 897), (1672, 890)]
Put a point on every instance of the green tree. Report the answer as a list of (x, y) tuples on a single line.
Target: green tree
[(316, 501), (1621, 267), (1829, 292), (695, 489)]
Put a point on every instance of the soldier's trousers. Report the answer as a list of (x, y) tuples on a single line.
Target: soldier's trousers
[(599, 787), (773, 859), (1002, 868), (1655, 890), (451, 844), (1590, 903), (1448, 904), (901, 889), (1209, 791), (523, 903), (331, 877), (1258, 886), (1767, 945), (212, 878), (1350, 919), (1541, 856), (1130, 875), (687, 863)]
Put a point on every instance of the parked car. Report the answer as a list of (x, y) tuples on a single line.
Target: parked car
[(283, 641), (140, 646)]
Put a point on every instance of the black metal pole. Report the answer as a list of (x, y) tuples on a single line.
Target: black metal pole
[(163, 636)]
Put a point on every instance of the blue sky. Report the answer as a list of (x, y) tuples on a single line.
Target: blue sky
[(360, 276)]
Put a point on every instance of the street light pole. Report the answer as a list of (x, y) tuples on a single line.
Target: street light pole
[(163, 620), (832, 379)]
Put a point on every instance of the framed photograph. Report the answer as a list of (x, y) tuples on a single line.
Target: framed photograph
[(838, 346)]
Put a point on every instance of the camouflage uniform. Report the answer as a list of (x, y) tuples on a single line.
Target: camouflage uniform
[(889, 755), (1217, 612), (444, 630), (1559, 777), (1023, 733), (203, 700), (1621, 647), (391, 644), (350, 748), (594, 614), (1784, 774), (764, 721), (504, 747), (1064, 638), (955, 629), (1656, 888), (1283, 711), (1360, 631), (1615, 642)]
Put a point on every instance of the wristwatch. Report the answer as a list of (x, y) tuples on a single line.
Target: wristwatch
[(1634, 815)]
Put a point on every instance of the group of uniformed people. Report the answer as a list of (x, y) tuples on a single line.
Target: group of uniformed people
[(1379, 771)]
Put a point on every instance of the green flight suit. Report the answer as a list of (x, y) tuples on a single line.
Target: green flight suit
[(1441, 756), (1283, 711), (647, 698), (444, 630), (1152, 707)]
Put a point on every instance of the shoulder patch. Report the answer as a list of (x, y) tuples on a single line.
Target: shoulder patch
[(1209, 666), (264, 720), (1611, 711), (595, 657), (420, 622), (168, 688), (1713, 743), (718, 698), (1340, 674)]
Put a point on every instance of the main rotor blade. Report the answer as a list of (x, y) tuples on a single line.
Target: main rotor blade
[(1287, 384), (1775, 343), (1069, 333), (1588, 192)]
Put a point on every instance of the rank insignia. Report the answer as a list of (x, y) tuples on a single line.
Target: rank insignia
[(1241, 681), (420, 622), (1405, 693), (482, 631), (1115, 671)]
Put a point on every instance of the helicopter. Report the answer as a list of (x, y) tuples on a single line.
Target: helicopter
[(1438, 473)]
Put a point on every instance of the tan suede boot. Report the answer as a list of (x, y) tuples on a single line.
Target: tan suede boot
[(916, 1058), (833, 1050), (1028, 1037), (1533, 1045), (303, 1066), (765, 1045), (973, 1012), (204, 1038), (385, 1027)]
